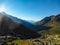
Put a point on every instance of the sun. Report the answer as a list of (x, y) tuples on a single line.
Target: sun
[(2, 9)]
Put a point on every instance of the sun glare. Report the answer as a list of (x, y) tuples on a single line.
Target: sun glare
[(2, 9)]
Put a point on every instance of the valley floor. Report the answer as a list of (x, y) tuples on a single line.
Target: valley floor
[(48, 40)]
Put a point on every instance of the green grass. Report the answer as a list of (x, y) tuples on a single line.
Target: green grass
[(29, 42)]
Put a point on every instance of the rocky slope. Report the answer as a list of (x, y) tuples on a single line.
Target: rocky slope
[(50, 24)]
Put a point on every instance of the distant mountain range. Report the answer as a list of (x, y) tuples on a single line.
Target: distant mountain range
[(31, 21)]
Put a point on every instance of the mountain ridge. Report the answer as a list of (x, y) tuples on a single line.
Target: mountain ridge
[(52, 21), (10, 27)]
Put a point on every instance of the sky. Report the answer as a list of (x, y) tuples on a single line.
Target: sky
[(30, 9)]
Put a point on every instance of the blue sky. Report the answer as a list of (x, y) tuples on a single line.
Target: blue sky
[(31, 9)]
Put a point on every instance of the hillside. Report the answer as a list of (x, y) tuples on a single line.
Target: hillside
[(8, 26), (50, 24)]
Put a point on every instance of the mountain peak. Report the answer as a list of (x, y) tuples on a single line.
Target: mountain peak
[(51, 19), (58, 15), (52, 25), (1, 16), (3, 13)]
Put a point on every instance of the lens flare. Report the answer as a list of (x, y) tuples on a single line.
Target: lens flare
[(2, 9)]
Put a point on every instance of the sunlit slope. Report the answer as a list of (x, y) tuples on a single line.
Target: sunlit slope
[(53, 22)]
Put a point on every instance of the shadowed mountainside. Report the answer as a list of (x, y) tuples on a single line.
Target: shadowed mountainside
[(8, 26), (24, 22)]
